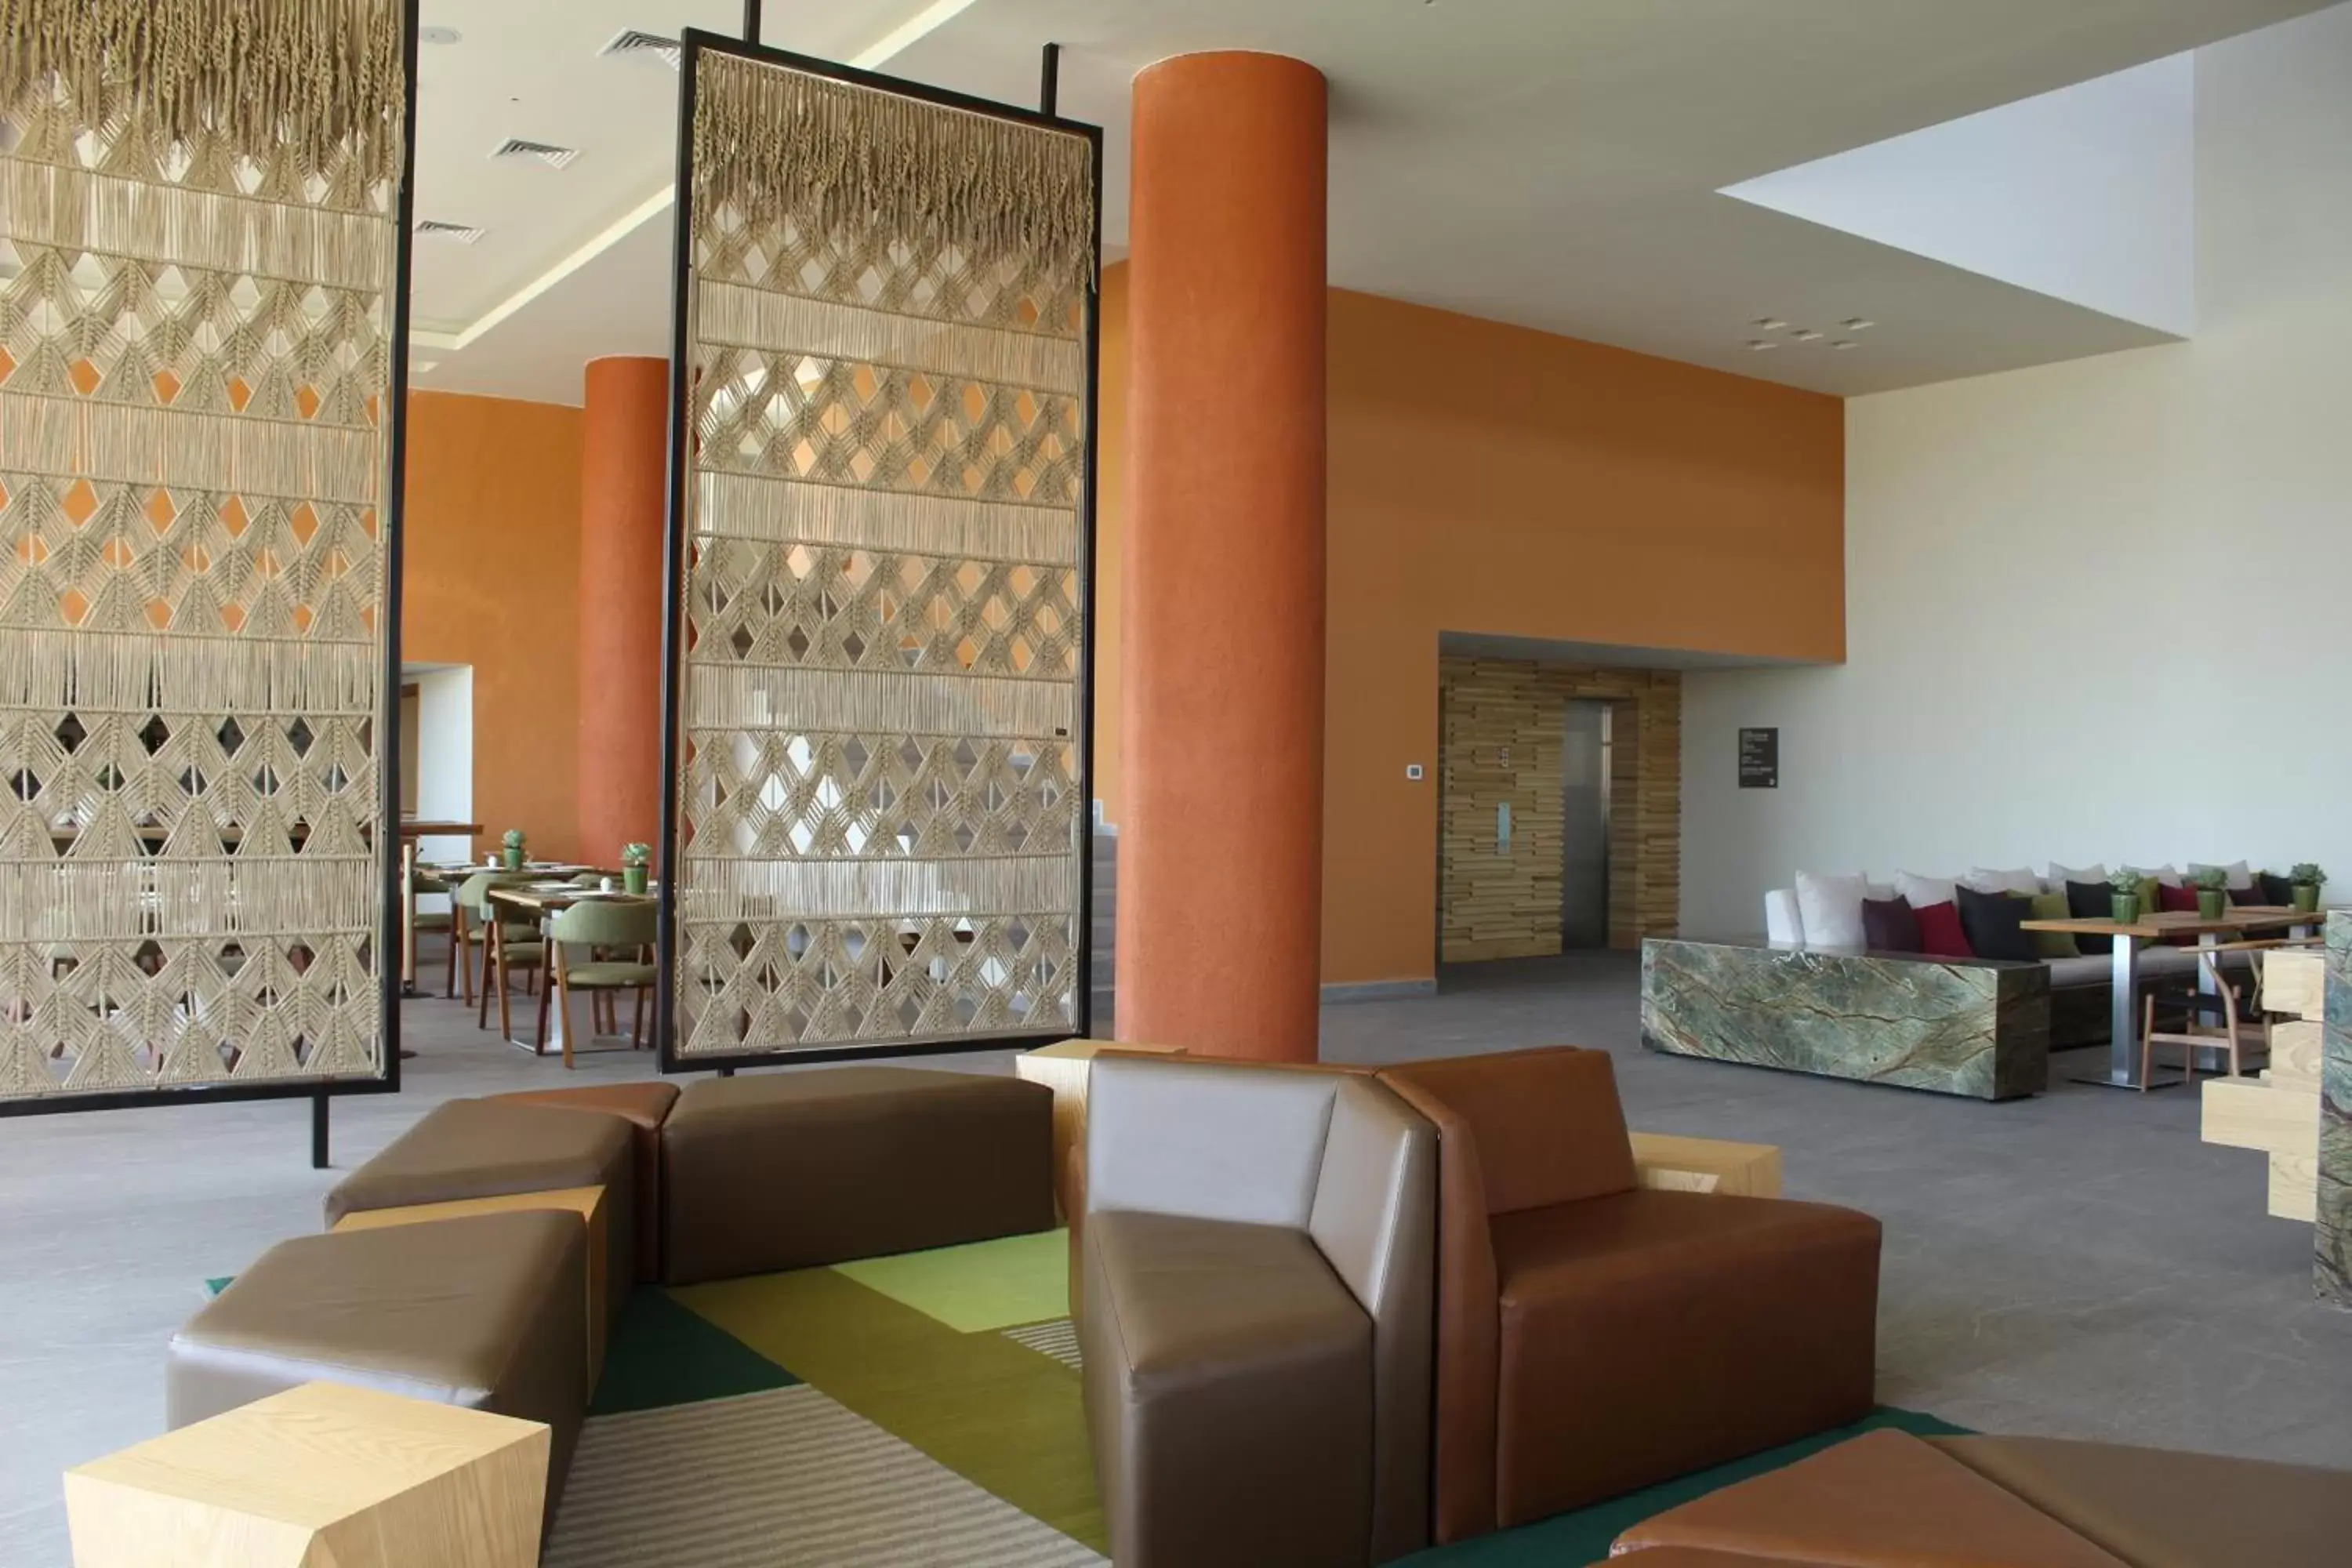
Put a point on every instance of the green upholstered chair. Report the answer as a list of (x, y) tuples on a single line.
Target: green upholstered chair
[(508, 944), (619, 936)]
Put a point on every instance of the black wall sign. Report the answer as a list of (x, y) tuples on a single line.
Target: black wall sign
[(1759, 759)]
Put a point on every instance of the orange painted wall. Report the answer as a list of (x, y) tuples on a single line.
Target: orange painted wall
[(492, 580), (1491, 478)]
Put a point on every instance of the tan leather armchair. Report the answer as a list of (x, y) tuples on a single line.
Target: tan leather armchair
[(1255, 1272), (1594, 1338)]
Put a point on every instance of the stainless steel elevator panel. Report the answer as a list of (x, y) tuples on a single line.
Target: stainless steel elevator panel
[(1585, 805)]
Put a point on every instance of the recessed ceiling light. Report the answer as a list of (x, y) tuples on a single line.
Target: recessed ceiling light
[(439, 36), (1858, 324), (1769, 323), (1758, 345), (1804, 334), (434, 229), (1845, 343)]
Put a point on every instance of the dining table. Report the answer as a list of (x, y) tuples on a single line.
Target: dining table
[(2234, 924), (539, 900)]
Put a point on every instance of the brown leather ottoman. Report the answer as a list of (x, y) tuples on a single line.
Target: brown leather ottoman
[(644, 1107), (487, 1148), (482, 1312), (795, 1170)]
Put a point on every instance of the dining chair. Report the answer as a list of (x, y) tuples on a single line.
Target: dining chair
[(2217, 1002), (443, 922), (509, 943), (602, 926)]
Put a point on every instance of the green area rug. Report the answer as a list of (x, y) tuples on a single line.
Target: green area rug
[(915, 1410)]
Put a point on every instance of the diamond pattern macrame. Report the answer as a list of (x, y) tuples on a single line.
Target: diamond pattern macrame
[(194, 364), (883, 817)]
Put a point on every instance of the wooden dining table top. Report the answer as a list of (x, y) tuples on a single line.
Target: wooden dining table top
[(2186, 922), (550, 897)]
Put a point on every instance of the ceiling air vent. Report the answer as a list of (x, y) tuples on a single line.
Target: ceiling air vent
[(636, 46), (554, 157), (433, 228)]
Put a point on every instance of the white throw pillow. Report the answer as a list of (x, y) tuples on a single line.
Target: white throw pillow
[(2164, 874), (2062, 875), (2237, 875), (2021, 880), (1920, 892), (1830, 905)]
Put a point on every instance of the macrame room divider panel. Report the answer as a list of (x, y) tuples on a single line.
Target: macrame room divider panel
[(879, 652), (199, 269)]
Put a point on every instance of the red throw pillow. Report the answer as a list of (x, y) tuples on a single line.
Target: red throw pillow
[(1939, 930), (2178, 901)]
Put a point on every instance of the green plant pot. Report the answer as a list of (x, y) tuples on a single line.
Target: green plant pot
[(2125, 907), (2306, 896), (633, 878), (513, 858), (2210, 902)]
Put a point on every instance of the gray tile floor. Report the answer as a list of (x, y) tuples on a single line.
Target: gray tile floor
[(2077, 1263)]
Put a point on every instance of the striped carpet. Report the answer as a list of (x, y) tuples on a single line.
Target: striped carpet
[(786, 1478), (1058, 1339)]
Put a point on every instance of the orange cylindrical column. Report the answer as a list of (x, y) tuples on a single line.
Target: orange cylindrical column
[(1221, 854), (624, 456)]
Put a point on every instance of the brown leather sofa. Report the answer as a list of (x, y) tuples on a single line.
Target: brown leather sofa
[(1594, 1338), (1888, 1500), (1255, 1260)]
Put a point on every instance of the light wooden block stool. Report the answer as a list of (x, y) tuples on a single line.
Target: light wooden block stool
[(323, 1476), (588, 1203), (1062, 1067), (1665, 1161)]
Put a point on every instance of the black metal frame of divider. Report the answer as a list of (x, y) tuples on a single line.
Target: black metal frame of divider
[(693, 44)]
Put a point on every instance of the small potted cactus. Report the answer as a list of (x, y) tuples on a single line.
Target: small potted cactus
[(2305, 880), (2122, 895), (2212, 892), (513, 846), (635, 858)]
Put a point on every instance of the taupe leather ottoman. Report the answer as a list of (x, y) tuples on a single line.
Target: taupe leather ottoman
[(795, 1170), (488, 1148), (482, 1312), (644, 1107)]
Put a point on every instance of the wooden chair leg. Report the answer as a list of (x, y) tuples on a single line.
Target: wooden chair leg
[(482, 991), (637, 1022), (547, 984), (505, 1017), (563, 988)]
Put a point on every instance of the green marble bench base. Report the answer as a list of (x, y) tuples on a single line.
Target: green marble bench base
[(1950, 1028)]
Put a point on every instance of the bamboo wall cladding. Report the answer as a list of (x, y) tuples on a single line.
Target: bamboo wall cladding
[(198, 252), (1497, 905), (882, 814)]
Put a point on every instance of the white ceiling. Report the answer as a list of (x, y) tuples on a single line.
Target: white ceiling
[(1540, 162)]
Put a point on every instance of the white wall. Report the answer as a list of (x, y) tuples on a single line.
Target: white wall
[(2092, 609), (445, 756), (2086, 193)]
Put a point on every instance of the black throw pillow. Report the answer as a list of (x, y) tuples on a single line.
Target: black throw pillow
[(2278, 890), (1889, 926), (1993, 921), (2092, 902)]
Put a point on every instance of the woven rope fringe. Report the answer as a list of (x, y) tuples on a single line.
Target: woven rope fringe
[(746, 699), (759, 507), (727, 888), (773, 142), (744, 316), (315, 77), (83, 209), (59, 670)]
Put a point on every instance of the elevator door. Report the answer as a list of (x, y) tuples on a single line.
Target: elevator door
[(1584, 850)]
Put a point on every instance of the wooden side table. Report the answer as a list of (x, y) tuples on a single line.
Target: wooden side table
[(1664, 1160), (1064, 1068), (323, 1476), (588, 1203)]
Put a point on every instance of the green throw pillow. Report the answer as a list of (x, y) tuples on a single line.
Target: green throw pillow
[(2054, 943)]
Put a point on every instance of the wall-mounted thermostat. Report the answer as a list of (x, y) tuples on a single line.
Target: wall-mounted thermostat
[(1413, 772)]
